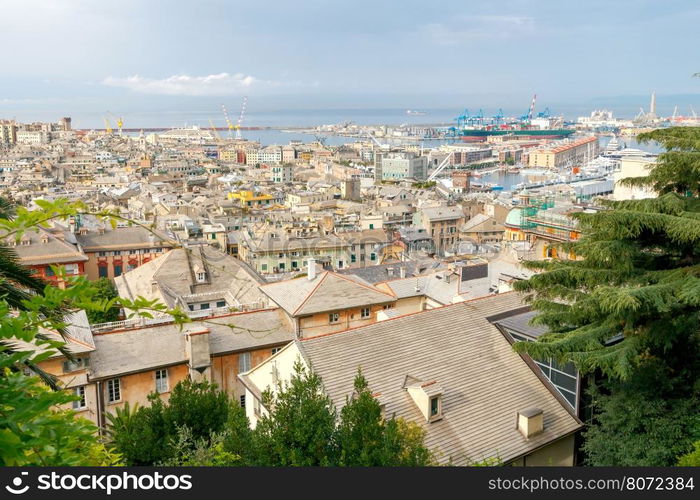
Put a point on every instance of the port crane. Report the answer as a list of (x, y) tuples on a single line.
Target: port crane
[(108, 126), (531, 111), (240, 118), (214, 131), (119, 122), (462, 119), (228, 121), (498, 117), (544, 114)]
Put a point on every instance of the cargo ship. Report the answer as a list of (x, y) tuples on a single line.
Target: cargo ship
[(416, 112), (482, 134)]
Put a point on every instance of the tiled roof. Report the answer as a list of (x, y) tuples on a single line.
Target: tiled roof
[(484, 381)]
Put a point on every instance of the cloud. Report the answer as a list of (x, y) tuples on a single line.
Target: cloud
[(210, 85), (470, 28)]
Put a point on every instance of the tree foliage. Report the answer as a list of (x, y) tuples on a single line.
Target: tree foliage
[(103, 290), (638, 277), (628, 307), (299, 427)]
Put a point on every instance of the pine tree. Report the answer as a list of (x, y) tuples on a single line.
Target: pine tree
[(638, 278), (628, 310)]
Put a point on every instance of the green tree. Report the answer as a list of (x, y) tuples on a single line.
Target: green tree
[(199, 406), (640, 424), (300, 426), (160, 432), (103, 290), (692, 458), (630, 305), (360, 433), (365, 439), (33, 432)]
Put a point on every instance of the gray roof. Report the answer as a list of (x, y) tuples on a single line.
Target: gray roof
[(481, 223), (42, 247), (379, 273), (520, 323), (174, 276), (143, 349), (485, 382), (443, 213), (328, 291), (123, 237)]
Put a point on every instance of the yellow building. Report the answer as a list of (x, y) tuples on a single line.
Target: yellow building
[(250, 199)]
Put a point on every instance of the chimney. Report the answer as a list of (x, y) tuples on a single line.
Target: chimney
[(530, 422), (311, 268), (198, 354), (402, 272)]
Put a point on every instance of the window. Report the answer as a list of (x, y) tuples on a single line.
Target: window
[(221, 303), (275, 350), (434, 406), (117, 270), (102, 254), (161, 381), (48, 271), (77, 364), (263, 267), (333, 317), (353, 258), (114, 390), (102, 271), (204, 306), (243, 362), (295, 264), (81, 403), (365, 313), (373, 256), (371, 226), (242, 400)]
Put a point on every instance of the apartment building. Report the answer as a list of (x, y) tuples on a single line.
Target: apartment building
[(131, 361), (112, 252), (442, 224), (565, 155), (318, 304), (43, 250)]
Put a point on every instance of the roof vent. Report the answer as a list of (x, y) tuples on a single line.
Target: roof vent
[(530, 422)]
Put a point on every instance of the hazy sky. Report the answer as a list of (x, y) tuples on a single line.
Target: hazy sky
[(155, 54)]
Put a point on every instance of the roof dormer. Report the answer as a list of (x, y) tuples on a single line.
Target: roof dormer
[(427, 396)]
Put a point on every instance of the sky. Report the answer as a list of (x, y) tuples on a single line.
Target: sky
[(128, 56)]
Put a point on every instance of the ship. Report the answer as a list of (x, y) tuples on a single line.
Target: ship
[(482, 134), (416, 112)]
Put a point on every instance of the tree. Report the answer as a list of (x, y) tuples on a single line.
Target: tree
[(640, 424), (365, 439), (360, 433), (32, 432), (103, 290), (691, 459), (299, 428), (638, 276), (630, 306), (199, 406), (161, 432)]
